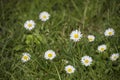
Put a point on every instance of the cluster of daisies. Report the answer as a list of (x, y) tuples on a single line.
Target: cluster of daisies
[(75, 35), (30, 24)]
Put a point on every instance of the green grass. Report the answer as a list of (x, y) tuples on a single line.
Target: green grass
[(90, 16)]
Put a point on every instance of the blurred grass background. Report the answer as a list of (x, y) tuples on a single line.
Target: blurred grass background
[(90, 16)]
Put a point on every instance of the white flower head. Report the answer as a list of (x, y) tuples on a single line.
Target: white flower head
[(44, 16), (109, 32), (114, 56), (86, 60), (91, 38), (50, 54), (65, 61), (75, 35), (25, 57), (29, 24), (69, 69), (102, 48)]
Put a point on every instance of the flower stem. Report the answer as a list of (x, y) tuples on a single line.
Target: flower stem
[(85, 12), (57, 72)]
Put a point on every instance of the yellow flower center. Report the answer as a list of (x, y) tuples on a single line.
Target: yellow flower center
[(102, 49), (29, 25), (25, 57), (69, 70), (86, 61), (50, 55), (115, 57), (110, 33), (75, 35), (90, 39), (44, 17)]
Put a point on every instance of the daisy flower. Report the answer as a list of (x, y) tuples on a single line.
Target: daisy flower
[(109, 32), (114, 56), (25, 57), (65, 61), (69, 69), (86, 60), (44, 16), (102, 48), (50, 54), (91, 38), (29, 24), (75, 35)]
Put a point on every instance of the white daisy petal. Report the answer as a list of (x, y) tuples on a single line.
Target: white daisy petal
[(50, 54), (25, 57), (102, 48), (86, 60), (29, 25), (75, 35), (109, 32), (114, 56), (91, 38), (69, 69), (44, 16)]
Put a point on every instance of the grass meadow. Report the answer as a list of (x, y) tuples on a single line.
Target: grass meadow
[(89, 16)]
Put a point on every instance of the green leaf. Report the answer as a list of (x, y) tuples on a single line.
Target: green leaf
[(18, 47), (29, 39)]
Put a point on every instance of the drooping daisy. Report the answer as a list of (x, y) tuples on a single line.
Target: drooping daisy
[(29, 24), (69, 69), (102, 48), (109, 32), (86, 60), (91, 38), (44, 16), (50, 54), (75, 35), (114, 56), (25, 57)]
